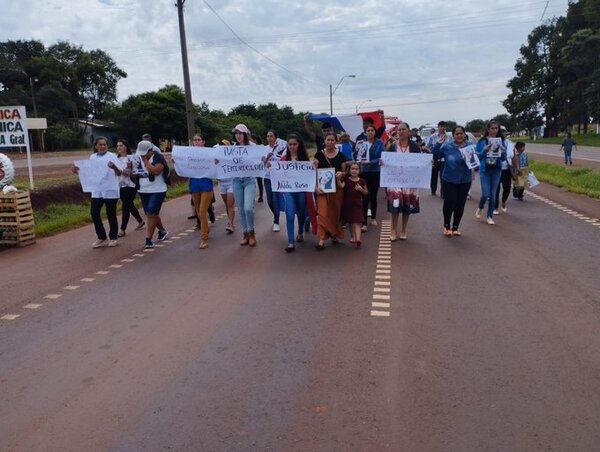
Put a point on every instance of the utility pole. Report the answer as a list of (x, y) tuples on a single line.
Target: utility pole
[(189, 107)]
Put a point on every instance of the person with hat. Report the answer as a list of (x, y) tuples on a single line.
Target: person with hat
[(244, 190), (153, 189)]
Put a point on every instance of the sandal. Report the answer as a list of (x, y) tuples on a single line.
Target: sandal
[(393, 238), (320, 246)]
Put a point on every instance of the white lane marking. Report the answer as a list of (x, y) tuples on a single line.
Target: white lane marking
[(53, 296), (127, 260), (87, 279), (380, 314), (183, 233), (383, 261), (167, 241), (189, 230), (102, 272), (71, 287), (383, 283), (382, 289), (383, 277), (149, 250), (32, 306), (590, 221), (115, 266), (138, 255), (383, 272), (159, 245), (176, 238), (10, 316), (380, 297), (378, 304)]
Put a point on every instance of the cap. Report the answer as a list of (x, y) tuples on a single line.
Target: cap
[(143, 147), (147, 136), (241, 128)]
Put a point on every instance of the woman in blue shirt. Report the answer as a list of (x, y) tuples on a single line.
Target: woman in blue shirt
[(370, 171), (456, 179), (490, 169), (202, 195)]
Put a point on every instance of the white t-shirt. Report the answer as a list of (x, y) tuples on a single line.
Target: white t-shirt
[(158, 185), (108, 157)]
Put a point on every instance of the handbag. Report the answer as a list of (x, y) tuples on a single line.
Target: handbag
[(491, 163)]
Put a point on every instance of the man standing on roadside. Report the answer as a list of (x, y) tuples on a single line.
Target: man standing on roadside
[(438, 165), (567, 146)]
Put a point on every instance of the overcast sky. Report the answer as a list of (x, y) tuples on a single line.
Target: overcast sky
[(420, 60)]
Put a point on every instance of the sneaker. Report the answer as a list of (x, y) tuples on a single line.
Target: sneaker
[(496, 212), (149, 243), (490, 220), (100, 243), (276, 227), (121, 233), (478, 213), (140, 226), (162, 235), (364, 228), (373, 222), (504, 209), (112, 243), (211, 215), (191, 217), (229, 228)]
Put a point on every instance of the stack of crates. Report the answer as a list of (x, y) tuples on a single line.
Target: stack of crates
[(17, 227)]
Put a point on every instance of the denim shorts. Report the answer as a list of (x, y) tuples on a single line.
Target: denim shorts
[(152, 202), (225, 186)]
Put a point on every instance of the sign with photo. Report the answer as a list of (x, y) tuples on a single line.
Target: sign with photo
[(326, 179)]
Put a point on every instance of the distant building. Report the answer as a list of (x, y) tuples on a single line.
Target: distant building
[(90, 129)]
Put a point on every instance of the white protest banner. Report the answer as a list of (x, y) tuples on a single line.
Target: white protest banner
[(405, 170), (293, 176), (95, 175), (195, 161), (240, 161), (470, 156)]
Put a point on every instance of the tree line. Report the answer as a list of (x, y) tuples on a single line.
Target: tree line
[(557, 81)]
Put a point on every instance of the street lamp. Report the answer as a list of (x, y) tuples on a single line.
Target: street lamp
[(332, 91), (362, 103)]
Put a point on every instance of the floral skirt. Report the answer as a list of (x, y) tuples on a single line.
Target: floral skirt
[(404, 201)]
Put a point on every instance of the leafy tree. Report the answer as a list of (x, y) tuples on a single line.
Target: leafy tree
[(475, 125)]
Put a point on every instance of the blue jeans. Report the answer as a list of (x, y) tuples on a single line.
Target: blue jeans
[(568, 160), (295, 204), (273, 200), (244, 189), (489, 186)]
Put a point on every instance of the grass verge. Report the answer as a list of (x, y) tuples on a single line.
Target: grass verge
[(581, 140), (577, 180), (60, 217)]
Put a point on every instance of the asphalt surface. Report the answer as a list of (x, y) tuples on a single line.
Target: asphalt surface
[(491, 342)]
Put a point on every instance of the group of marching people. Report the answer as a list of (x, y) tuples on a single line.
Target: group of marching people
[(327, 214)]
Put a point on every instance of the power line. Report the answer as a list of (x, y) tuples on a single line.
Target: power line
[(254, 49)]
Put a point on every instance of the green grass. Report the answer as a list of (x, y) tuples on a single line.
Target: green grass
[(577, 180), (22, 183), (581, 140), (61, 217)]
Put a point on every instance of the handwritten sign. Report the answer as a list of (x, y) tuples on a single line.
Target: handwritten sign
[(405, 170), (96, 176), (240, 161), (194, 161), (292, 176)]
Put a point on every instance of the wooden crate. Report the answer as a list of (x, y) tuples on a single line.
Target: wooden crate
[(17, 227)]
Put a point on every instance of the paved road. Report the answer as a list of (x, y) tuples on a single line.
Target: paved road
[(490, 344), (583, 154)]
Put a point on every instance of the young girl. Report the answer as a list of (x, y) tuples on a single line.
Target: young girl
[(355, 188), (522, 160)]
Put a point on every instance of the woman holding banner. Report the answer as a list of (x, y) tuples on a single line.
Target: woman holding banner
[(127, 188), (244, 190), (492, 152), (456, 179), (370, 170), (329, 205), (202, 195), (400, 199), (108, 198), (279, 148)]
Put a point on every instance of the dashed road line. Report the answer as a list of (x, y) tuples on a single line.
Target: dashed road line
[(71, 287), (138, 255), (33, 306), (383, 269), (573, 213), (10, 316), (127, 260), (87, 279), (53, 296), (380, 313), (102, 272), (115, 266)]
